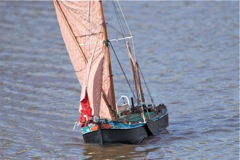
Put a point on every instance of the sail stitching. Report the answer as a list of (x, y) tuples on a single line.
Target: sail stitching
[(71, 32), (87, 18), (69, 27)]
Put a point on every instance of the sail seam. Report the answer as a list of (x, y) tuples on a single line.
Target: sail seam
[(66, 9), (70, 30)]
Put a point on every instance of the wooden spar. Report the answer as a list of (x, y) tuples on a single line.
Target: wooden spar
[(133, 71), (140, 86), (135, 81), (108, 58), (136, 76)]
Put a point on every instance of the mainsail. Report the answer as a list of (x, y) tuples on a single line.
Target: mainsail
[(84, 33)]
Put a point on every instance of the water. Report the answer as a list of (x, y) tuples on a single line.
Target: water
[(189, 52)]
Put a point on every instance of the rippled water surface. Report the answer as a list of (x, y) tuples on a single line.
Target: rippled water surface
[(189, 53)]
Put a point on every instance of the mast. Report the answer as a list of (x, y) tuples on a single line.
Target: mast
[(136, 76), (108, 57)]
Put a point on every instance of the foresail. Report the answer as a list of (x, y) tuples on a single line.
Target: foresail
[(82, 26)]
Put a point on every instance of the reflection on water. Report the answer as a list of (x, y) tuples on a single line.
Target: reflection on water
[(187, 50)]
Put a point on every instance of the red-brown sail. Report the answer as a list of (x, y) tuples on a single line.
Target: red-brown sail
[(83, 31)]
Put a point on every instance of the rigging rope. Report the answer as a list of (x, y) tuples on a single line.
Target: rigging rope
[(124, 17), (145, 83), (120, 23), (121, 68), (119, 19), (134, 53), (115, 29)]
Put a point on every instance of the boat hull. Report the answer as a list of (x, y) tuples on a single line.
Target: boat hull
[(154, 126), (127, 136)]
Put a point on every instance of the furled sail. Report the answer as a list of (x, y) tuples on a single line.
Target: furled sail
[(84, 33), (136, 76)]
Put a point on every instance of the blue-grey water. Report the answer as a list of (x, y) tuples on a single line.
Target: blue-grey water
[(188, 52)]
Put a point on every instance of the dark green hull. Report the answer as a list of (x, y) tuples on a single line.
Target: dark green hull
[(131, 135)]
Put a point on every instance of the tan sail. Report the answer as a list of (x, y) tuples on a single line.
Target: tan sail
[(136, 76), (83, 31)]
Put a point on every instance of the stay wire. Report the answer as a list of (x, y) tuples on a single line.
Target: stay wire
[(119, 18), (145, 82), (122, 69), (118, 11), (115, 29), (120, 8)]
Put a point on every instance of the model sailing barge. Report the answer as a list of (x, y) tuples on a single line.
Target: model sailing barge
[(102, 120)]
